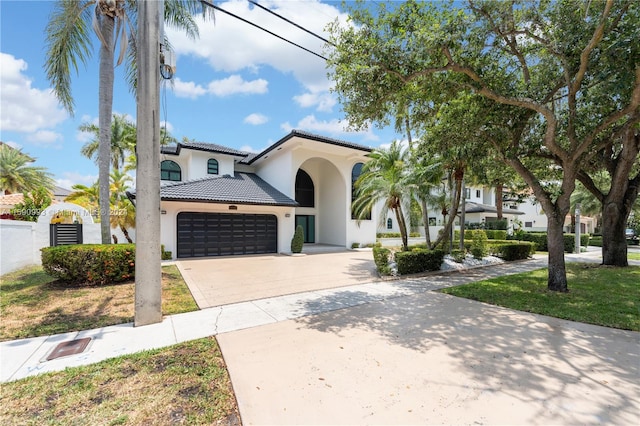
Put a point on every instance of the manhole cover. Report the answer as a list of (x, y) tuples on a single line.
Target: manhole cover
[(71, 347)]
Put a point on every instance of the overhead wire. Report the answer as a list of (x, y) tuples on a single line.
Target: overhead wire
[(218, 8), (290, 22)]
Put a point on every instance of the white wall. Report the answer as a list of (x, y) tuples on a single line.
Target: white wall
[(20, 242), (197, 164)]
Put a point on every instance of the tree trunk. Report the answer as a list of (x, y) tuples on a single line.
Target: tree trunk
[(425, 218), (126, 234), (557, 279), (403, 227), (115, 239), (105, 109), (614, 242)]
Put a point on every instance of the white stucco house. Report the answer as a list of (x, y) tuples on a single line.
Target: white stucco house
[(219, 201)]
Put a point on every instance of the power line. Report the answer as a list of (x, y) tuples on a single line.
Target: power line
[(208, 3), (290, 22)]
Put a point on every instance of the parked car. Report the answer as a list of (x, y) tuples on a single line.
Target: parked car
[(631, 236)]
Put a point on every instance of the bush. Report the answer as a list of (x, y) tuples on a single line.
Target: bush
[(596, 241), (355, 245), (298, 240), (416, 261), (496, 234), (458, 255), (479, 248), (90, 264), (381, 259), (497, 224), (165, 255), (515, 251), (396, 235)]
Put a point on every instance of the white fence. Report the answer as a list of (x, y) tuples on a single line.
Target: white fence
[(20, 242)]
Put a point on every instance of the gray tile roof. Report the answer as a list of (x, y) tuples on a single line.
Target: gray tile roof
[(471, 207), (310, 136), (202, 146), (243, 188)]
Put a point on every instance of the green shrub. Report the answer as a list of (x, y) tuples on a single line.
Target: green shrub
[(90, 264), (355, 245), (515, 251), (165, 255), (416, 261), (479, 247), (381, 259), (396, 235), (298, 240), (596, 241), (569, 243), (496, 234), (458, 255)]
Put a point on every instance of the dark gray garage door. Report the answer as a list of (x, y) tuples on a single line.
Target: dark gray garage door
[(224, 234)]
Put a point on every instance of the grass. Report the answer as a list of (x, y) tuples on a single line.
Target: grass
[(606, 296), (633, 256), (35, 304), (187, 383)]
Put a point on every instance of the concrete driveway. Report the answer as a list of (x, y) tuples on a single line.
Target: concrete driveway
[(431, 358), (225, 280)]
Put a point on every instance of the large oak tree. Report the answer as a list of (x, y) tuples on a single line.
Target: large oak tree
[(537, 60)]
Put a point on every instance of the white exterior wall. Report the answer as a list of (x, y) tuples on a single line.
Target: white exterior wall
[(279, 173), (20, 241), (16, 245), (197, 164), (168, 220)]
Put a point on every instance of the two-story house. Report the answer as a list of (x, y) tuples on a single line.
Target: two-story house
[(219, 201)]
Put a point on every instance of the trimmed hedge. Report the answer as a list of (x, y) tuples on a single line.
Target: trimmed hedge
[(396, 235), (90, 264), (492, 234), (514, 251), (479, 247), (540, 238), (419, 260), (381, 259)]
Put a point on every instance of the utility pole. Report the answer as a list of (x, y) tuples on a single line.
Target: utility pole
[(148, 287)]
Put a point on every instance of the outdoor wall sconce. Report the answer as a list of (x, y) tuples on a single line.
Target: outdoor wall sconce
[(163, 212)]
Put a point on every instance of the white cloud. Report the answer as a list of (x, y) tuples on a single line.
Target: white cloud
[(256, 119), (187, 89), (231, 45), (335, 127), (324, 101), (72, 178), (235, 84), (166, 125), (24, 108), (44, 137), (231, 85)]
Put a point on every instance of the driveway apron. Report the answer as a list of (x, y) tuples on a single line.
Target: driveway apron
[(431, 358)]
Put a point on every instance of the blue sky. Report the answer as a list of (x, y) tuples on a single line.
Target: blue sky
[(235, 86)]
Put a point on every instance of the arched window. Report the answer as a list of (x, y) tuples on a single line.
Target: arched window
[(389, 223), (170, 170), (212, 166), (356, 171), (305, 194)]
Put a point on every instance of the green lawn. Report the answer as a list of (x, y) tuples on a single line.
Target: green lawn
[(633, 255), (35, 304), (606, 296), (183, 384)]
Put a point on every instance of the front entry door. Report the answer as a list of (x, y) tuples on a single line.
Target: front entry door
[(308, 223)]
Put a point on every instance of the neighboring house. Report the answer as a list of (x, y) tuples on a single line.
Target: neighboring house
[(480, 207), (219, 201)]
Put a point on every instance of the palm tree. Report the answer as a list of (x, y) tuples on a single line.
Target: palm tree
[(426, 174), (385, 177), (18, 175), (123, 213), (69, 41), (123, 140), (87, 197)]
